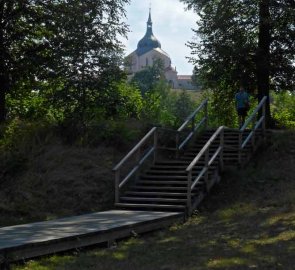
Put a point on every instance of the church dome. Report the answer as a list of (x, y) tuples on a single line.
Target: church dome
[(149, 41)]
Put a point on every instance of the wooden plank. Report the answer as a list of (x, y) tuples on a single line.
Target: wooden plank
[(35, 239)]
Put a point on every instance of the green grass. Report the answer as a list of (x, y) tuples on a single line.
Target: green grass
[(247, 222)]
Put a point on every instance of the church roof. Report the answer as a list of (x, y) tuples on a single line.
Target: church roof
[(149, 41)]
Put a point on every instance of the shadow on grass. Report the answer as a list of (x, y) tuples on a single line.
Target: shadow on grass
[(247, 222)]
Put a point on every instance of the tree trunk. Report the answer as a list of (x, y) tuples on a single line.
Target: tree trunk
[(4, 82), (2, 105), (263, 55)]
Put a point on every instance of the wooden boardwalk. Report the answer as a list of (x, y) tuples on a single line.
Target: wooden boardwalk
[(41, 238)]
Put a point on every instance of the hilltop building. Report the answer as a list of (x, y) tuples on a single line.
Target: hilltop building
[(148, 50)]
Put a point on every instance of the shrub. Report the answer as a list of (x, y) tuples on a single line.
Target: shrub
[(283, 109)]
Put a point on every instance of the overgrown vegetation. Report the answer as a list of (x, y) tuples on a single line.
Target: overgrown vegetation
[(47, 161), (68, 114), (248, 222), (283, 108), (244, 42)]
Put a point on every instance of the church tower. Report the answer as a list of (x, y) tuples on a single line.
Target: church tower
[(148, 50), (149, 41)]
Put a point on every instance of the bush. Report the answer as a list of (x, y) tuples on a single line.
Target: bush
[(162, 107), (283, 109), (221, 109)]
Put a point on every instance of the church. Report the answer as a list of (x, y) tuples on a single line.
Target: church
[(148, 50)]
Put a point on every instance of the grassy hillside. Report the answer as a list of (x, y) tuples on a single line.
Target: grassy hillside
[(248, 222), (42, 177)]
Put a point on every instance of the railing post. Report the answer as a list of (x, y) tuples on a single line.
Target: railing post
[(240, 147), (264, 119), (254, 134), (222, 148), (177, 140), (189, 193), (207, 167), (117, 188), (155, 145), (193, 123), (137, 160), (206, 114)]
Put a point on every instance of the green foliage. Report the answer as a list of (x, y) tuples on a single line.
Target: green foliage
[(147, 78), (229, 43), (163, 107), (244, 42), (157, 108), (183, 107), (18, 139), (19, 135), (68, 49), (121, 100), (117, 133), (30, 105), (283, 109), (221, 110)]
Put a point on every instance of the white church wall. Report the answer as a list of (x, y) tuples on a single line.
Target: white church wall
[(148, 59), (171, 77)]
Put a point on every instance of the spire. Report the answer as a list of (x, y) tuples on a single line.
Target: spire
[(149, 41), (149, 22)]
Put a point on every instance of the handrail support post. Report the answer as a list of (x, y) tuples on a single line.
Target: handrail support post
[(193, 123), (189, 193), (222, 149), (254, 134), (117, 188), (137, 159), (155, 145), (264, 120), (240, 148), (207, 171), (206, 114), (177, 140)]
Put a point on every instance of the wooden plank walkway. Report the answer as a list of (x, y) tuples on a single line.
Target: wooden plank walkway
[(41, 238)]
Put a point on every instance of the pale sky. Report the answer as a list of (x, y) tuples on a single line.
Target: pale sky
[(172, 26)]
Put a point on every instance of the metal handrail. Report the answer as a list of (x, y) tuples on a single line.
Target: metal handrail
[(255, 126), (208, 162)]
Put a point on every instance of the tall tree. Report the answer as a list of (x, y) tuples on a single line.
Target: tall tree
[(243, 41), (20, 40), (263, 53), (68, 42), (87, 52)]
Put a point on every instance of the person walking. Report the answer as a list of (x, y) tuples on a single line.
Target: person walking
[(242, 105)]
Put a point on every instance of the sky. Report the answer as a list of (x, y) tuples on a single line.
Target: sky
[(172, 26)]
